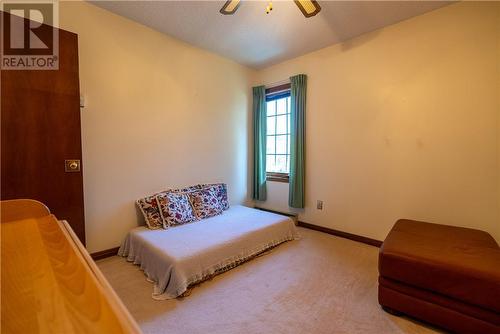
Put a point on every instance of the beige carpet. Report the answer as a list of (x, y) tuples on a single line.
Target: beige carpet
[(319, 284)]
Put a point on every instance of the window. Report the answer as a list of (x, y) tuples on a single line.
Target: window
[(278, 133)]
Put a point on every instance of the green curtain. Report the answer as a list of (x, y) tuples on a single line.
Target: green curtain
[(297, 140), (259, 143)]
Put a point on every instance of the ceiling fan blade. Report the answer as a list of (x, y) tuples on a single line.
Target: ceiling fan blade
[(230, 7), (308, 7)]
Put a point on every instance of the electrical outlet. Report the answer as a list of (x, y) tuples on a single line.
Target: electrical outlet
[(319, 205)]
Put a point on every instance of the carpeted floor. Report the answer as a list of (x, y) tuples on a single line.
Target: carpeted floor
[(319, 284)]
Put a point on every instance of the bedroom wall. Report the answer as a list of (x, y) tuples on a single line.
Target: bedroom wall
[(403, 122), (159, 113)]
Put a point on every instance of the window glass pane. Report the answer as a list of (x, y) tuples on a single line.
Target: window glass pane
[(281, 144), (271, 108), (270, 144), (271, 125), (289, 119), (281, 124), (281, 164), (270, 163), (288, 144), (288, 163), (281, 106)]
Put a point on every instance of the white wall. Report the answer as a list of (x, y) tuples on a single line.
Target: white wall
[(160, 113), (403, 122)]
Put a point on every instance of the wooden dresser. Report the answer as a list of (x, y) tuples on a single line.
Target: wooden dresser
[(49, 283)]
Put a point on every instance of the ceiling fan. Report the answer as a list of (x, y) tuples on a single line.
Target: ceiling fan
[(307, 7)]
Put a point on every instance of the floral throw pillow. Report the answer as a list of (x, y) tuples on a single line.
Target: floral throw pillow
[(205, 203), (151, 212), (188, 189), (175, 209), (221, 191)]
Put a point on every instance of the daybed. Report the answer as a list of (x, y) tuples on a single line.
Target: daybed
[(179, 257)]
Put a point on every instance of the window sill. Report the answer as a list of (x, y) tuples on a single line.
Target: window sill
[(277, 177)]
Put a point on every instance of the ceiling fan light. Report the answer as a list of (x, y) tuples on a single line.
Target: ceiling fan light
[(308, 7), (230, 7)]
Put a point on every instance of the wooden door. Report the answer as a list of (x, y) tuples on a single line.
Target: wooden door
[(40, 124)]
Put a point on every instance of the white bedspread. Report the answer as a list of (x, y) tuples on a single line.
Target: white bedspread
[(176, 258)]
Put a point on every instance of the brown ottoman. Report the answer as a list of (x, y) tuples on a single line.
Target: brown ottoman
[(444, 275)]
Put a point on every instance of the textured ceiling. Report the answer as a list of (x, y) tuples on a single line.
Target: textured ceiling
[(253, 38)]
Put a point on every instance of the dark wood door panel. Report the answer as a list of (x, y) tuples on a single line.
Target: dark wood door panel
[(40, 125)]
